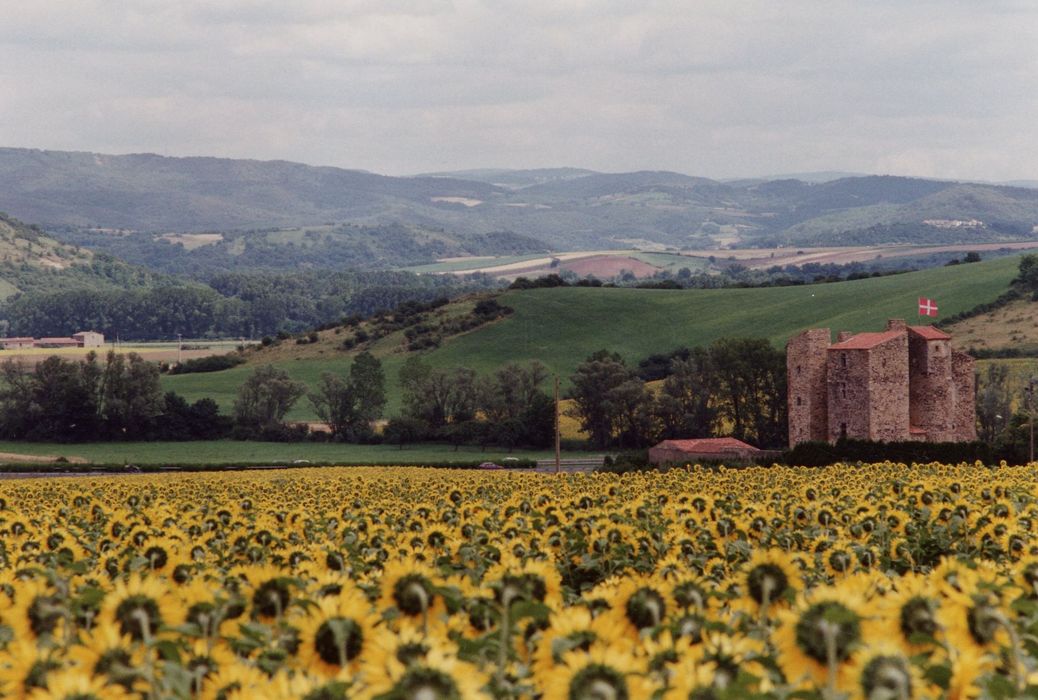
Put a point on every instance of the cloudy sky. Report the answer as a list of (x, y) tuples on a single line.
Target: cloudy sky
[(721, 88)]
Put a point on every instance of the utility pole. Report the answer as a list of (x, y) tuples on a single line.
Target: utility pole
[(558, 460), (180, 347), (1030, 416)]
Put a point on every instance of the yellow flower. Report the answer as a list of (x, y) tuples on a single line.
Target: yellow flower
[(141, 607), (338, 634), (601, 671)]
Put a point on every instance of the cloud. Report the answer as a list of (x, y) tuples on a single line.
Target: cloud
[(716, 88)]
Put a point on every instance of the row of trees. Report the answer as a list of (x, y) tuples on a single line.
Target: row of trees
[(1004, 413), (505, 408), (227, 305), (735, 386), (118, 399)]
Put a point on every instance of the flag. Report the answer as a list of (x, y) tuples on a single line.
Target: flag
[(927, 307)]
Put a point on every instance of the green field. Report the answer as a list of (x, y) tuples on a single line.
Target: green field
[(233, 452), (672, 262), (561, 326), (474, 263)]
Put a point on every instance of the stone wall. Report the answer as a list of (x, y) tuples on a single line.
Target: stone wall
[(887, 402), (807, 394), (965, 415), (931, 388), (848, 394)]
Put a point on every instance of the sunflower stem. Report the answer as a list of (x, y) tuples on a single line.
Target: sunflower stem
[(829, 632), (1014, 648), (765, 598), (502, 651)]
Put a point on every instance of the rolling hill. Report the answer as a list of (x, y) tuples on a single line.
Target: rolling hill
[(561, 326), (31, 261), (129, 203)]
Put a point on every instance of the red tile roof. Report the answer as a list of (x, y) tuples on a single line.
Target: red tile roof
[(864, 341), (929, 332), (707, 445)]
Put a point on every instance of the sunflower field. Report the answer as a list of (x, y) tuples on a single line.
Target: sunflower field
[(881, 581)]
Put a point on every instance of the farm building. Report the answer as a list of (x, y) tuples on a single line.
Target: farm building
[(904, 383), (703, 448), (56, 343), (16, 343), (89, 339), (83, 339)]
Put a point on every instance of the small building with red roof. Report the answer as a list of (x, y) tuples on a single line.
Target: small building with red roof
[(903, 383), (726, 448)]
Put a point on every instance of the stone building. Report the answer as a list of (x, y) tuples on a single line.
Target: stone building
[(904, 383)]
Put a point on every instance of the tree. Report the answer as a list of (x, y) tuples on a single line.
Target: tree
[(994, 401), (265, 397), (685, 403), (335, 404), (56, 402), (368, 385), (129, 396), (404, 430), (751, 389), (438, 396), (630, 406), (511, 389), (182, 421), (593, 380)]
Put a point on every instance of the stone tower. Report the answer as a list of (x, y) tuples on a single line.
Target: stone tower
[(904, 383)]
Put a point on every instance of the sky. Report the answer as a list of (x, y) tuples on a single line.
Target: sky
[(717, 88)]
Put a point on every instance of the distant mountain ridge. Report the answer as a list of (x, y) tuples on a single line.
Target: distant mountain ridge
[(443, 214)]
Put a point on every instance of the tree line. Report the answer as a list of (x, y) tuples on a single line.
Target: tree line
[(735, 386), (249, 305)]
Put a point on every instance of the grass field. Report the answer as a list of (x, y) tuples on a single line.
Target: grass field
[(471, 264), (562, 326), (229, 451)]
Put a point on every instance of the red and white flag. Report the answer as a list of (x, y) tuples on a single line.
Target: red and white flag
[(927, 307)]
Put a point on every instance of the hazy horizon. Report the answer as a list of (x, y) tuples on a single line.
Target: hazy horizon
[(938, 88)]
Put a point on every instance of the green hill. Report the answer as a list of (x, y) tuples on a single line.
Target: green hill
[(29, 258), (561, 326)]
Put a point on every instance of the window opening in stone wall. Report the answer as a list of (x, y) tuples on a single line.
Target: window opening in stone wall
[(843, 358), (843, 390), (843, 431), (798, 370), (798, 401)]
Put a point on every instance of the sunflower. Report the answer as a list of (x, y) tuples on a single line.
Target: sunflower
[(26, 669), (572, 628), (819, 634), (639, 604), (106, 653), (974, 619), (911, 614), (692, 680), (884, 670), (234, 680), (39, 611), (74, 684), (537, 581), (204, 658), (771, 579), (338, 634), (410, 588), (305, 686), (437, 676), (140, 607), (270, 591), (601, 671), (967, 667)]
